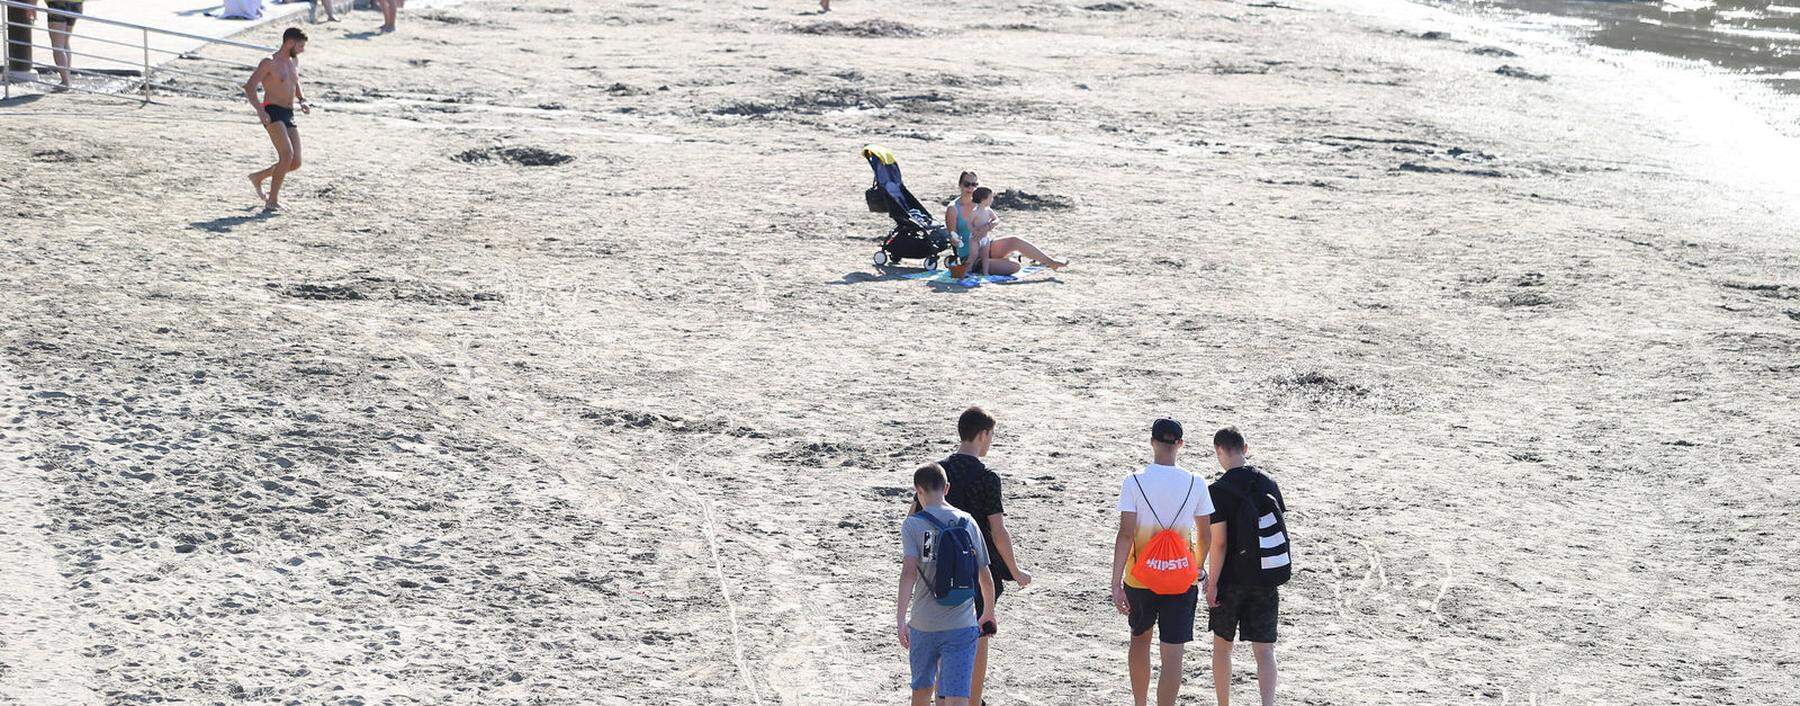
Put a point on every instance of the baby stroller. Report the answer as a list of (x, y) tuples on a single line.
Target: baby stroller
[(915, 235)]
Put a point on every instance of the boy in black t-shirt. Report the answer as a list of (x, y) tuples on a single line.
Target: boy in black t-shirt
[(976, 490), (1239, 604)]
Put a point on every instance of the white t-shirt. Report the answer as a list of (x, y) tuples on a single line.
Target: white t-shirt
[(1169, 494)]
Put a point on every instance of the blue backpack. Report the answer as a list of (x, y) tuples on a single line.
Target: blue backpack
[(955, 581)]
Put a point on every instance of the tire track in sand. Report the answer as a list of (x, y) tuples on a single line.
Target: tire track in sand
[(40, 658)]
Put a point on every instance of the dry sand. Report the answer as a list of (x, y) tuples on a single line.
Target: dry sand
[(636, 428)]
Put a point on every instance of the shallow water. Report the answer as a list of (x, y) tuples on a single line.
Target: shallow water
[(1758, 39)]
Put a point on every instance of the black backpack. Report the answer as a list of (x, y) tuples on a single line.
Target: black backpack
[(1260, 551)]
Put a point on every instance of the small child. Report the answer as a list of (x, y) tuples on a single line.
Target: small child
[(984, 218), (940, 639)]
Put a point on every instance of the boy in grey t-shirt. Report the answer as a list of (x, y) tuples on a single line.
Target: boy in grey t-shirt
[(940, 640)]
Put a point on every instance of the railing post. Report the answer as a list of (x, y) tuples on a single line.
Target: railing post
[(146, 64), (18, 37), (6, 52)]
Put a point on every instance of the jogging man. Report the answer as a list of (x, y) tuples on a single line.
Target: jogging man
[(976, 490), (941, 633), (1242, 576), (1161, 498), (279, 78)]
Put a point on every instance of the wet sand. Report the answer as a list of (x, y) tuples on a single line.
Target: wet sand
[(464, 426), (1749, 37)]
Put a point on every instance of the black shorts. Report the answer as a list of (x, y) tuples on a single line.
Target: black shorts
[(1248, 609), (65, 6), (1173, 615), (280, 114)]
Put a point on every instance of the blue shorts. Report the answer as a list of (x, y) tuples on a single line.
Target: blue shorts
[(946, 657)]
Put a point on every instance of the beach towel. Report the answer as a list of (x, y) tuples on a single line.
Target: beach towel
[(945, 277)]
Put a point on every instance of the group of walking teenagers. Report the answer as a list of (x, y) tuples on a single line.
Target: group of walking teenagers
[(1180, 540)]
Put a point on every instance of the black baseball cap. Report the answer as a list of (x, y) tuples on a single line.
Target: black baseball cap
[(1165, 430)]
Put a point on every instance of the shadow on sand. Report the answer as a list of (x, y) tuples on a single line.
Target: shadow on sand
[(224, 224), (882, 273)]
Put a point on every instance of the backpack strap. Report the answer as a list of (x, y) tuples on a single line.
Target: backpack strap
[(1152, 506), (941, 529)]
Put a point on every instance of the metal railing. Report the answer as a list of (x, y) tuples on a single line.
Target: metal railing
[(146, 71)]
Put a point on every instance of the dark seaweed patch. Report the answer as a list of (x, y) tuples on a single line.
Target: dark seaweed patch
[(1515, 72), (868, 29), (522, 156), (1016, 200)]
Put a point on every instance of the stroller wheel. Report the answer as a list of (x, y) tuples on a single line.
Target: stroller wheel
[(881, 257), (931, 263)]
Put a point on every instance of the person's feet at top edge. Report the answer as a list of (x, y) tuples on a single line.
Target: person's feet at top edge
[(824, 6)]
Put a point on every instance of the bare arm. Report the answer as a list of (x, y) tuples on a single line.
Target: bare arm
[(1122, 552), (299, 97), (1003, 545), (255, 82), (1215, 560), (909, 572), (987, 597), (1203, 542)]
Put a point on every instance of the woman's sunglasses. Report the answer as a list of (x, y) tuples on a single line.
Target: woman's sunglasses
[(969, 185)]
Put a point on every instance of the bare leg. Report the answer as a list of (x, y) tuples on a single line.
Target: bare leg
[(825, 6), (59, 49), (293, 134), (1138, 661), (292, 163), (980, 674), (922, 697), (389, 9), (1222, 670), (278, 135), (1168, 681), (1003, 247), (1265, 670), (1003, 267)]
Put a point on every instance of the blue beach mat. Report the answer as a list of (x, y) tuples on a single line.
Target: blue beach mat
[(945, 277)]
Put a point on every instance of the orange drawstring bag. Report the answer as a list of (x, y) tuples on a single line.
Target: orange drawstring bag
[(1167, 565)]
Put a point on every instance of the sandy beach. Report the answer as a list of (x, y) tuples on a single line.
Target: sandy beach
[(565, 377)]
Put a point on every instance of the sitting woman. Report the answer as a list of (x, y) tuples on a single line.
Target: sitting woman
[(996, 253), (989, 254)]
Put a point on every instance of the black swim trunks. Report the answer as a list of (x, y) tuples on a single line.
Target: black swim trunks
[(65, 6), (1173, 616), (1249, 609), (280, 114)]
